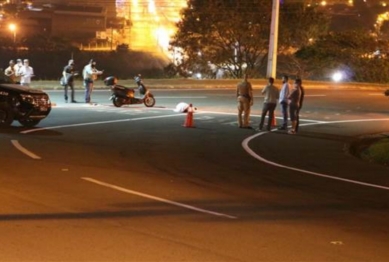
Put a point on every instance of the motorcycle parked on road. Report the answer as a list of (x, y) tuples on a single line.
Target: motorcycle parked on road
[(122, 95)]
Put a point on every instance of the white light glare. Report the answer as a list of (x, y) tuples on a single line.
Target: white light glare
[(337, 76)]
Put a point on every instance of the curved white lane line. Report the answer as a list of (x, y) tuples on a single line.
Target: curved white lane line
[(23, 150), (128, 191), (244, 143), (255, 155)]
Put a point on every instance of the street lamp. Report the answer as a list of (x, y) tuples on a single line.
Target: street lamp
[(12, 27)]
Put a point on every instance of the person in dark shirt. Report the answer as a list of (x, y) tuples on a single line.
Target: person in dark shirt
[(302, 94), (294, 105), (68, 74)]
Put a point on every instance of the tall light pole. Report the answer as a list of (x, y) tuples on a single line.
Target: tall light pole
[(273, 41), (12, 27)]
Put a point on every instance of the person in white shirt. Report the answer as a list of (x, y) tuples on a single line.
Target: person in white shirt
[(26, 72), (284, 93), (90, 74), (271, 94)]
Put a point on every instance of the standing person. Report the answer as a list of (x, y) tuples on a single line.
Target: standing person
[(90, 74), (68, 74), (244, 94), (17, 68), (294, 105), (302, 91), (270, 102), (10, 72), (26, 72), (284, 93)]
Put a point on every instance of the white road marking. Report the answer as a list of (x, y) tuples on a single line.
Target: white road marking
[(252, 115), (255, 155), (204, 118), (244, 143), (233, 95), (132, 192), (98, 123), (182, 97), (23, 150)]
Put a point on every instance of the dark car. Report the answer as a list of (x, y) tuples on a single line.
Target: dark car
[(24, 104)]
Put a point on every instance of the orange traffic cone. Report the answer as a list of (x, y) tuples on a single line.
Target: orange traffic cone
[(189, 117), (274, 121)]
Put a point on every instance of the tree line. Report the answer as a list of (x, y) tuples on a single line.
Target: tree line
[(48, 58), (233, 36)]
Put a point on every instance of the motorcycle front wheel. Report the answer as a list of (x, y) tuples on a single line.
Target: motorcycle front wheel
[(117, 101), (149, 101)]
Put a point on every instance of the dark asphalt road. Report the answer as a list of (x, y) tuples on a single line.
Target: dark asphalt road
[(99, 183)]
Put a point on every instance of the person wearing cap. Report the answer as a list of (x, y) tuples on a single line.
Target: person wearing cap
[(245, 100), (17, 67), (26, 72), (68, 74), (90, 74), (10, 72)]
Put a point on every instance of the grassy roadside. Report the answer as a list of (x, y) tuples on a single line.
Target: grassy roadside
[(377, 152)]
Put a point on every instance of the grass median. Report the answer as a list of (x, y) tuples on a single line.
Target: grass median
[(377, 152)]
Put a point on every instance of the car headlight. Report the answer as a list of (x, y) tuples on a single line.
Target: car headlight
[(28, 99)]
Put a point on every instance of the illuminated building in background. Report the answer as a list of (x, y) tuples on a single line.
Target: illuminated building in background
[(152, 22), (149, 23)]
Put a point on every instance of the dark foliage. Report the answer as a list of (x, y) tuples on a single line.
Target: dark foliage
[(48, 65)]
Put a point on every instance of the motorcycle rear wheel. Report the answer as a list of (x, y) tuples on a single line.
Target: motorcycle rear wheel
[(149, 101), (117, 101)]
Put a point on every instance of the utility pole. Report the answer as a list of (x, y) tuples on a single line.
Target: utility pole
[(273, 40), (111, 37)]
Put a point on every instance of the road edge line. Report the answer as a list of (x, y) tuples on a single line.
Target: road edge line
[(132, 192), (18, 146), (251, 152)]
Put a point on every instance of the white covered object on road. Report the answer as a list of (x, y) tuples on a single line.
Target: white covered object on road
[(181, 107)]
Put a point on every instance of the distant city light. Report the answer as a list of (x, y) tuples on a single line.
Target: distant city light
[(12, 28), (337, 76)]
